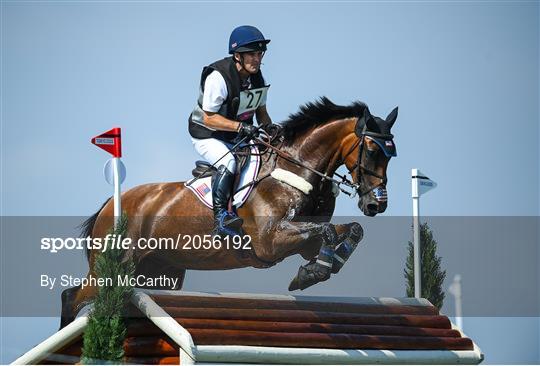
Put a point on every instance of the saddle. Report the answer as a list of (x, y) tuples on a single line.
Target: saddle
[(247, 169), (204, 169)]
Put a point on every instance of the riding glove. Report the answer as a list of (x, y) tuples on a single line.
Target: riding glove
[(248, 131)]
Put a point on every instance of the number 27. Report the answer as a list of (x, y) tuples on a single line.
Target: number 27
[(251, 97)]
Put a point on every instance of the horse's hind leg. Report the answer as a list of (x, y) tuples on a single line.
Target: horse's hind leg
[(73, 300), (68, 297)]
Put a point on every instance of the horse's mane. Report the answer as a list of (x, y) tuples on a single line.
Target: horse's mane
[(319, 113)]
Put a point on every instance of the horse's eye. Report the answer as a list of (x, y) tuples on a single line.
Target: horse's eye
[(371, 145), (371, 152)]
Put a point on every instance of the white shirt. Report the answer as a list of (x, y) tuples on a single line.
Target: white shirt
[(215, 92)]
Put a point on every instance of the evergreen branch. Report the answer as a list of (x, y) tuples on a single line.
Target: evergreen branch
[(103, 340)]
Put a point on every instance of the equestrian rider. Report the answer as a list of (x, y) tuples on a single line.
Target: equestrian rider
[(231, 92)]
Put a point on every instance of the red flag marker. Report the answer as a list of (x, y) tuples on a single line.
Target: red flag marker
[(110, 141), (115, 172)]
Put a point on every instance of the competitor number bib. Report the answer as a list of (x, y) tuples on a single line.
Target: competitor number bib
[(250, 100)]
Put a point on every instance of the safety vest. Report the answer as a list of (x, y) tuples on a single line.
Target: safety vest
[(240, 104)]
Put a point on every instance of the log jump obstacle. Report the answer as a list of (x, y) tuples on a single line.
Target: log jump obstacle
[(180, 327)]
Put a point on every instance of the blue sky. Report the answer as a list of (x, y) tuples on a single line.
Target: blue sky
[(465, 76)]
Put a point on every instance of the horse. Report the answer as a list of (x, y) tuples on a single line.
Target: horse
[(279, 219)]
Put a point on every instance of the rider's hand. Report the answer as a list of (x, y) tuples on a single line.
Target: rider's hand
[(248, 131)]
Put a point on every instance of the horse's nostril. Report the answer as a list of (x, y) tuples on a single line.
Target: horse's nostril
[(372, 207)]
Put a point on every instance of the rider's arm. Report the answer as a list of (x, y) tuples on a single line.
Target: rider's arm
[(218, 122), (215, 94), (263, 118)]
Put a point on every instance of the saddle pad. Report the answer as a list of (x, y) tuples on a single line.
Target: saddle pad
[(202, 187)]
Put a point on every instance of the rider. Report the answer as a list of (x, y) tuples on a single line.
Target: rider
[(231, 92)]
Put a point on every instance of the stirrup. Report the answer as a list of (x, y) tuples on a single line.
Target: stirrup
[(232, 221), (229, 223)]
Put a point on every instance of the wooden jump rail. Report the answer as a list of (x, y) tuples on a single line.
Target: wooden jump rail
[(187, 328)]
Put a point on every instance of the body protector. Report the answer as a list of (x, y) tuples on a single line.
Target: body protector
[(240, 104)]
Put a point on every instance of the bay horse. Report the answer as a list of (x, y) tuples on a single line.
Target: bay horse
[(280, 219)]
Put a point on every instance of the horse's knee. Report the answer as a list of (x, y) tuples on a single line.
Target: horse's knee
[(329, 234), (356, 232)]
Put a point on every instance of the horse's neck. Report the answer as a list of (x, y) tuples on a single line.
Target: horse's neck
[(322, 148)]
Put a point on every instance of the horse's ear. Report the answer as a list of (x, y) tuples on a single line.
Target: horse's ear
[(372, 125), (370, 122), (391, 118), (365, 113), (367, 120)]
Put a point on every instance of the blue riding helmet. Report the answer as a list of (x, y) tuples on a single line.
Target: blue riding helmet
[(247, 38)]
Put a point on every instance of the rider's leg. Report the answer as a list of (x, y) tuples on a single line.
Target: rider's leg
[(217, 153), (222, 187)]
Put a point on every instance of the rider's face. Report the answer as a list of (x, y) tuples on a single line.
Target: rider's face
[(252, 61)]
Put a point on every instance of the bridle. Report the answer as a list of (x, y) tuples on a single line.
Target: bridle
[(359, 167)]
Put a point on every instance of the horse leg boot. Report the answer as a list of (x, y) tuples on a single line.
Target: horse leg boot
[(347, 246), (318, 269), (225, 222)]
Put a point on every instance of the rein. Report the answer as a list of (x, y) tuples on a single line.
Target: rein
[(344, 180), (324, 176)]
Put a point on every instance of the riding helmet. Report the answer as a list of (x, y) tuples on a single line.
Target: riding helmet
[(247, 38)]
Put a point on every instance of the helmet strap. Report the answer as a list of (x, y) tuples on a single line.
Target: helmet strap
[(241, 62)]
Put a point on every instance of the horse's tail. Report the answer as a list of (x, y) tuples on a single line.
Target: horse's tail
[(88, 225)]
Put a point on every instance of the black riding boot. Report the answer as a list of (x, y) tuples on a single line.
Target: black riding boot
[(225, 222)]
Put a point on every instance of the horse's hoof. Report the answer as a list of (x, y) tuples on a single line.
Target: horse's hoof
[(294, 285), (309, 275)]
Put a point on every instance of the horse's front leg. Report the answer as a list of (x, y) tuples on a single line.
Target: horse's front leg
[(348, 241), (332, 255), (306, 238)]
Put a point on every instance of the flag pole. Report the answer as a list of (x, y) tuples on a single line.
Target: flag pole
[(416, 245), (117, 194), (114, 170), (420, 184)]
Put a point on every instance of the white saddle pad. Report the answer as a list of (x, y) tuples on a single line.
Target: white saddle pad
[(202, 187)]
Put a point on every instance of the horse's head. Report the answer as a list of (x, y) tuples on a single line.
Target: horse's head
[(367, 160)]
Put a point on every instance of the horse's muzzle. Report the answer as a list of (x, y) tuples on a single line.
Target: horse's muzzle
[(374, 202)]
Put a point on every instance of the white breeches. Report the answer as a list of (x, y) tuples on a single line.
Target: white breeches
[(213, 149)]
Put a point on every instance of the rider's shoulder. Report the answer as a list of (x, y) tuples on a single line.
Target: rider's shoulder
[(215, 84), (215, 77), (221, 64)]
